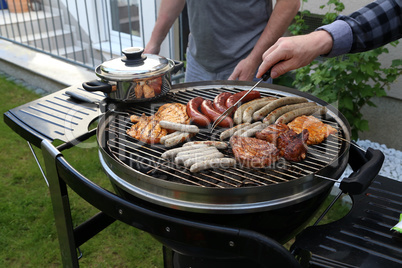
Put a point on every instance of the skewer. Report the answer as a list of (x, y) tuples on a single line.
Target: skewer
[(352, 143)]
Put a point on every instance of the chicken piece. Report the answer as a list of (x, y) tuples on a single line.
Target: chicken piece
[(293, 146), (173, 112), (252, 152), (148, 129), (318, 131), (148, 91), (272, 132), (138, 91)]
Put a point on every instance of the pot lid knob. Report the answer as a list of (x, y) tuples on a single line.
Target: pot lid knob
[(133, 55)]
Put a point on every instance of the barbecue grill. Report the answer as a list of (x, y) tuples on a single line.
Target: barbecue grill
[(277, 201)]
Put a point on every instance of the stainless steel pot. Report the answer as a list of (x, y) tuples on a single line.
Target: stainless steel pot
[(134, 77)]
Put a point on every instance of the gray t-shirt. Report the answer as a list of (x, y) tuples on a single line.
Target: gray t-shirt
[(223, 32)]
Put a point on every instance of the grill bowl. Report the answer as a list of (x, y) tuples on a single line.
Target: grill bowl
[(147, 177)]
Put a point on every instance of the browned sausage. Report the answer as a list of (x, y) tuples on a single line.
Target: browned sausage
[(196, 116), (289, 116), (208, 110), (220, 102), (235, 97)]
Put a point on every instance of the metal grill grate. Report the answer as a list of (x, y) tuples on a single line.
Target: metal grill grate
[(147, 158)]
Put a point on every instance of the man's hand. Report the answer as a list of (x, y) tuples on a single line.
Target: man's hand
[(244, 71), (290, 53)]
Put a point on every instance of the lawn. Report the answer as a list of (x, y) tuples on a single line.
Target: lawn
[(27, 232)]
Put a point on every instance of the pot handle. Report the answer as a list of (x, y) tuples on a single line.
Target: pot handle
[(96, 85), (178, 65), (371, 162)]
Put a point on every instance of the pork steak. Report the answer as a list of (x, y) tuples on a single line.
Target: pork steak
[(252, 152)]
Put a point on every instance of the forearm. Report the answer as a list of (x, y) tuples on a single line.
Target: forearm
[(168, 13), (372, 26), (281, 17)]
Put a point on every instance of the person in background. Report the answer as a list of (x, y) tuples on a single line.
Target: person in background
[(227, 37), (372, 26)]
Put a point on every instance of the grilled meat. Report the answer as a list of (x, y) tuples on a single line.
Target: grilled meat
[(293, 146), (318, 131), (272, 132), (148, 129), (173, 112), (252, 152)]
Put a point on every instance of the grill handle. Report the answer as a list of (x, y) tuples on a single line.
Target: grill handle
[(366, 166)]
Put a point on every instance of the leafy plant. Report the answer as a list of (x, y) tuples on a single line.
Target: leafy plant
[(349, 81)]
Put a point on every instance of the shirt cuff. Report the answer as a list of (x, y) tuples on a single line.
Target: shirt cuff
[(342, 36)]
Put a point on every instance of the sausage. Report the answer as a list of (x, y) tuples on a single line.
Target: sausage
[(229, 132), (208, 110), (178, 139), (213, 163), (251, 132), (289, 116), (171, 135), (189, 162), (196, 116), (218, 144), (244, 129), (249, 111), (220, 102), (173, 152), (207, 151), (255, 94), (238, 115), (261, 113), (272, 116), (197, 151), (179, 127)]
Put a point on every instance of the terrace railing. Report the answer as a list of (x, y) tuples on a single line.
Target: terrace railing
[(82, 32)]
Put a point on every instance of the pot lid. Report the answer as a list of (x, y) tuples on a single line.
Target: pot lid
[(134, 65)]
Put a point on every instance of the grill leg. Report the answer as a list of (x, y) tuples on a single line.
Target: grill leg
[(167, 257), (61, 211)]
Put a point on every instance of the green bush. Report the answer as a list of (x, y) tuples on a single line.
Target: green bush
[(349, 81)]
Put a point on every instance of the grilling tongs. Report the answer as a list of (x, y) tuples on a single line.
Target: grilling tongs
[(231, 108)]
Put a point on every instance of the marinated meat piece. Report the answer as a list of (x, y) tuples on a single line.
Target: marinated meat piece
[(272, 132), (293, 146), (148, 129), (318, 131), (173, 112), (252, 152)]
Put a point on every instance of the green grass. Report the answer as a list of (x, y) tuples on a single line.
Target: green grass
[(28, 235), (27, 231)]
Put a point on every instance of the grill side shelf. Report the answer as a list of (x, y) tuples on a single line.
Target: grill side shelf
[(53, 117)]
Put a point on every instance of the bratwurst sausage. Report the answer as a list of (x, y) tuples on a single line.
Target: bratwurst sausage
[(275, 114), (220, 102), (261, 113), (235, 97), (196, 116), (289, 116), (208, 110), (179, 127)]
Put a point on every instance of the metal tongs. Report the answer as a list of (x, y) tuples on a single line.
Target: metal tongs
[(231, 108)]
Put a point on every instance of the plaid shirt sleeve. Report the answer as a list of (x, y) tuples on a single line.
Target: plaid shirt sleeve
[(372, 26)]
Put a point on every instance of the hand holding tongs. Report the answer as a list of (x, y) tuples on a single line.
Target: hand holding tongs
[(230, 109)]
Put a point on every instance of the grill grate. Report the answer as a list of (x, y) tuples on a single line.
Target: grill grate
[(147, 158)]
